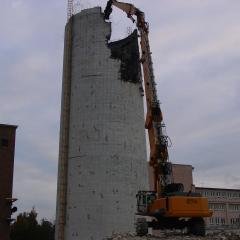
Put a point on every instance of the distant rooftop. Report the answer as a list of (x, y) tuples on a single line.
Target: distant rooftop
[(9, 126), (217, 189)]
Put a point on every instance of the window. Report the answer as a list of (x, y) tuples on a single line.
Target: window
[(4, 142), (234, 220), (217, 206), (210, 206), (234, 207)]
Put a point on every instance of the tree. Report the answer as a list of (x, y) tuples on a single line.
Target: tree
[(46, 230), (27, 227)]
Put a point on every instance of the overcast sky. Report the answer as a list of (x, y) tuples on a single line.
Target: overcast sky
[(196, 53)]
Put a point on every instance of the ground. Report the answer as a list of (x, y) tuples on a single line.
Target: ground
[(220, 235)]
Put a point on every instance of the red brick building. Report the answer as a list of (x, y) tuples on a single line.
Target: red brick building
[(7, 147)]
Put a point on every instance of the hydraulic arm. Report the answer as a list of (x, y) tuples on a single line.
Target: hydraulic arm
[(168, 205), (154, 119)]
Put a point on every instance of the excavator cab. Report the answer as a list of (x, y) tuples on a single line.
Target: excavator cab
[(144, 199)]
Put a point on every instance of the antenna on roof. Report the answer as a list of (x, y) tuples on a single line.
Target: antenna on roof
[(69, 9)]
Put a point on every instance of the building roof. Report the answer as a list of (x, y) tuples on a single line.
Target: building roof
[(218, 189), (179, 164), (9, 126)]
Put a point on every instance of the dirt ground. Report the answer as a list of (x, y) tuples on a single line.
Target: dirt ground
[(178, 236)]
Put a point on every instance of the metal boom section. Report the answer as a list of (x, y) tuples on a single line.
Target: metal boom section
[(154, 119)]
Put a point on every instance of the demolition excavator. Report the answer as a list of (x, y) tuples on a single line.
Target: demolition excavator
[(167, 206)]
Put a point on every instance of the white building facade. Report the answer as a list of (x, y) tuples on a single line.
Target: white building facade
[(225, 204)]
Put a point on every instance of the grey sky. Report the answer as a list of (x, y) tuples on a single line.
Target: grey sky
[(196, 52)]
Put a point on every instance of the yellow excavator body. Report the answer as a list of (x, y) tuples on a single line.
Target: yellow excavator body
[(181, 206)]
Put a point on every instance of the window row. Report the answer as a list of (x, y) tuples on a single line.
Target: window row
[(234, 207), (217, 206), (221, 194), (221, 206), (217, 221), (222, 221), (235, 221)]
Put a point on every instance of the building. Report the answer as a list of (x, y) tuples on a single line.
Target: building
[(183, 174), (7, 148), (225, 204), (102, 153)]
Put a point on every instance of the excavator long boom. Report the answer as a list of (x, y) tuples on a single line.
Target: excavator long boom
[(126, 7), (154, 119), (168, 204)]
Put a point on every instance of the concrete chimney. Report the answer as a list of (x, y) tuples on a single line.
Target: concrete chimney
[(102, 155)]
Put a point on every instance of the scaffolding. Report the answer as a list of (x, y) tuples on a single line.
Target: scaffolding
[(69, 9), (76, 6)]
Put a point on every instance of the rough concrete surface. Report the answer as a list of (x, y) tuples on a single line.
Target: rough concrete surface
[(106, 163)]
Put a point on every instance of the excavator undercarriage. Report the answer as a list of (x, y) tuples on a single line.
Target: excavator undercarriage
[(176, 210)]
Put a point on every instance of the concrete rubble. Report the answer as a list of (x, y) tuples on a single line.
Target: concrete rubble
[(178, 236)]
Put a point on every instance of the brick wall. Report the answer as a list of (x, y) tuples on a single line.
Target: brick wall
[(183, 174), (7, 146), (180, 174)]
